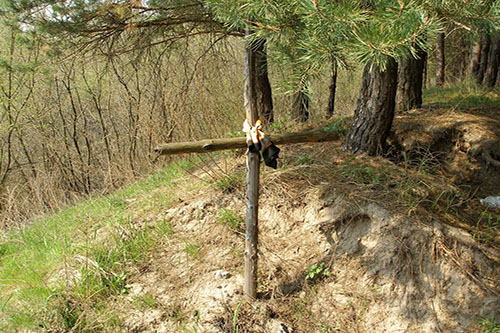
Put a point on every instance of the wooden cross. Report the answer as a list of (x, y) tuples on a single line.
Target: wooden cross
[(253, 161)]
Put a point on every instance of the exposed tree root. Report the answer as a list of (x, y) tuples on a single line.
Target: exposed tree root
[(487, 156)]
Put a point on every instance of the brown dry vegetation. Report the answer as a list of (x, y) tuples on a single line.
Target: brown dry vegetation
[(87, 124)]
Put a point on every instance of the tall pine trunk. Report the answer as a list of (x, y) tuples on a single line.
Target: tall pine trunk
[(475, 57), (374, 111), (490, 76), (440, 61), (333, 88), (483, 59), (410, 82), (264, 95), (300, 106)]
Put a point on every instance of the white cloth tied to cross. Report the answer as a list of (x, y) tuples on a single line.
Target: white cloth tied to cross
[(257, 141)]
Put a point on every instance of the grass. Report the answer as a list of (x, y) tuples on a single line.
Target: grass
[(59, 271), (466, 95), (487, 226), (364, 174), (192, 250), (230, 218), (337, 125), (489, 325), (230, 182), (146, 301)]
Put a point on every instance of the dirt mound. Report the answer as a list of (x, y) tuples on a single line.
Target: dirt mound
[(466, 145), (326, 263)]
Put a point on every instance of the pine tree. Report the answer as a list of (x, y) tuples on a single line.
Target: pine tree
[(304, 34), (410, 81)]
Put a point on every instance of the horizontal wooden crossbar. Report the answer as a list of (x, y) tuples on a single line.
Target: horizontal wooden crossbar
[(210, 145)]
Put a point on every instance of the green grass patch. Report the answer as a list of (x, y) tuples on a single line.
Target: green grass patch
[(53, 268), (230, 182), (146, 301), (230, 218), (304, 159), (338, 125), (192, 250), (364, 174), (490, 324), (465, 95)]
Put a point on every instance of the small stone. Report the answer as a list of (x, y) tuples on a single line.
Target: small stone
[(222, 274), (491, 201)]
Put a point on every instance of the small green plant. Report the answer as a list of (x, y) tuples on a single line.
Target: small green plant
[(236, 134), (317, 270), (490, 325), (362, 173), (304, 159), (236, 313), (230, 218), (164, 228), (280, 124), (339, 126), (327, 328), (487, 226), (228, 183), (192, 250), (146, 301)]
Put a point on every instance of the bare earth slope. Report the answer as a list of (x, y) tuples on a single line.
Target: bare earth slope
[(347, 243)]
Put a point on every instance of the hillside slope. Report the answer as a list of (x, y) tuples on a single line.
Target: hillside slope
[(347, 243)]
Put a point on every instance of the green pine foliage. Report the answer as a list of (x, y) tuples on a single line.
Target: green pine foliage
[(309, 33)]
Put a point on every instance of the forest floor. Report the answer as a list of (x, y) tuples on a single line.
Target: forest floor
[(347, 243)]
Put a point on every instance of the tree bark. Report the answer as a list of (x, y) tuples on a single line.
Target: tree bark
[(263, 92), (490, 76), (475, 57), (483, 61), (410, 82), (374, 111), (440, 61), (498, 76), (333, 88), (300, 106), (425, 73)]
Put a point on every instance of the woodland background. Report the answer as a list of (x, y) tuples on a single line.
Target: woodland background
[(82, 117)]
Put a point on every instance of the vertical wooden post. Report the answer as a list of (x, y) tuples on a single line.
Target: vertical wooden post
[(253, 160)]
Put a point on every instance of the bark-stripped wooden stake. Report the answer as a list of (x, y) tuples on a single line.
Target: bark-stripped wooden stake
[(253, 160), (211, 145)]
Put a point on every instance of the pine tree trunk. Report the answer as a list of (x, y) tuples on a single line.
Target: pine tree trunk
[(440, 61), (425, 76), (475, 57), (490, 77), (410, 81), (333, 88), (498, 76), (374, 111), (464, 59), (483, 61), (263, 87), (300, 106)]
